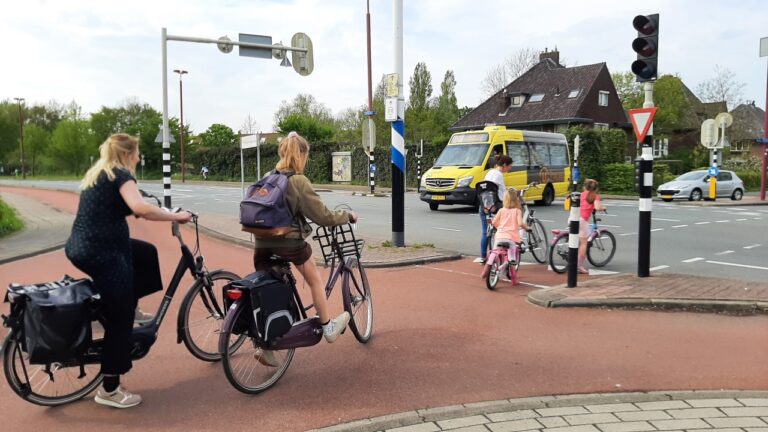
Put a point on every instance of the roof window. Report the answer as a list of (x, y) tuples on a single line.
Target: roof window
[(538, 97), (574, 93)]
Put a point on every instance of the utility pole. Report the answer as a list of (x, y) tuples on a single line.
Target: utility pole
[(398, 136), (181, 126), (21, 138), (370, 113)]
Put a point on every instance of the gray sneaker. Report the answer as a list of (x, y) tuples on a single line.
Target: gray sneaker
[(333, 329), (140, 317), (120, 398), (267, 358)]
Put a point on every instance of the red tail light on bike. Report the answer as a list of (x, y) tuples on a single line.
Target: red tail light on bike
[(234, 294)]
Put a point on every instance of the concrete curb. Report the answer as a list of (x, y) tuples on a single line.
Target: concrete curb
[(411, 418), (552, 299), (30, 254)]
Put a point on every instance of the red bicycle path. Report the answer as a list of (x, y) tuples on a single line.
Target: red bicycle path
[(440, 338)]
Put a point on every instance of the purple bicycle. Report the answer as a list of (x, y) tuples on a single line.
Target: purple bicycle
[(242, 351), (601, 246)]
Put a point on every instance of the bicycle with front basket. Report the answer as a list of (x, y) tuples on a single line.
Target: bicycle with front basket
[(601, 246), (200, 316), (241, 359)]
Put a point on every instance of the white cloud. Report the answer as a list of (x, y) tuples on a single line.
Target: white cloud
[(102, 52)]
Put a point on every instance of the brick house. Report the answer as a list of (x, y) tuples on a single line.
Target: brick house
[(550, 97), (748, 126)]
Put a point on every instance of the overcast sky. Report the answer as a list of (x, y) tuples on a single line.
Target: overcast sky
[(104, 52)]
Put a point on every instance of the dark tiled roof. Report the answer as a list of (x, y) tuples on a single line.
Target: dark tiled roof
[(546, 77), (748, 122)]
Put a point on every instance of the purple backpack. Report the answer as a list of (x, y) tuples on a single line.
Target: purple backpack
[(264, 211)]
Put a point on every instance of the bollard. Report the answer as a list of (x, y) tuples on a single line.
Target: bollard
[(573, 239)]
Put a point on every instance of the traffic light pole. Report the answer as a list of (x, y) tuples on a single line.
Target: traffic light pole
[(646, 194), (573, 239)]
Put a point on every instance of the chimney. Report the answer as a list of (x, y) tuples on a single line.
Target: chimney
[(552, 55)]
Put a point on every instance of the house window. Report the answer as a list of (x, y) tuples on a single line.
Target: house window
[(601, 126), (602, 99), (517, 101), (574, 93), (561, 128), (536, 97)]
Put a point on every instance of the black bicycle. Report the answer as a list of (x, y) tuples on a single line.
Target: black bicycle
[(243, 361), (199, 322)]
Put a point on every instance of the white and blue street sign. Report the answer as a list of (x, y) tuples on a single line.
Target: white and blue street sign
[(713, 171), (373, 167)]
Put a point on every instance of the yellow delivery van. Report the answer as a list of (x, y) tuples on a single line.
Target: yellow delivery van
[(536, 156)]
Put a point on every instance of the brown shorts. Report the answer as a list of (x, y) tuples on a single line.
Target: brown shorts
[(297, 255)]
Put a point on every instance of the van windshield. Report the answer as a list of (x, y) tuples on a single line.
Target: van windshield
[(462, 155)]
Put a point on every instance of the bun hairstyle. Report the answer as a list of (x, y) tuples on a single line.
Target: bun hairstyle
[(502, 160), (293, 148), (111, 154)]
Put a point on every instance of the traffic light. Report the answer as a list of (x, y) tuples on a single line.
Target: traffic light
[(646, 45)]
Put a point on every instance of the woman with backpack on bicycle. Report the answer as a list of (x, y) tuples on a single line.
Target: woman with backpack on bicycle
[(303, 203), (502, 164), (101, 247), (590, 200)]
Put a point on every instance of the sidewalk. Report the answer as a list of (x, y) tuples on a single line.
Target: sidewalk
[(45, 229)]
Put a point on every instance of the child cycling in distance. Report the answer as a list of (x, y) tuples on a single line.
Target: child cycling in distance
[(508, 223), (590, 200)]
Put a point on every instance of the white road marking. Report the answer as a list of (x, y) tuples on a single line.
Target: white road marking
[(740, 220), (610, 226), (666, 220), (722, 221), (661, 267), (657, 229), (726, 252), (737, 208), (446, 229), (679, 226), (701, 223), (752, 246), (628, 234), (595, 272), (690, 260), (476, 275), (758, 218), (738, 265)]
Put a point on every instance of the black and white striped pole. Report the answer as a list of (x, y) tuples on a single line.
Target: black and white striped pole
[(573, 239), (371, 172), (419, 154), (645, 184)]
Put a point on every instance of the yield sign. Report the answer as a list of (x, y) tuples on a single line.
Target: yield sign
[(642, 119)]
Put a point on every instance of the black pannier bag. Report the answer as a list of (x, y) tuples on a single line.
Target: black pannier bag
[(271, 302), (57, 319)]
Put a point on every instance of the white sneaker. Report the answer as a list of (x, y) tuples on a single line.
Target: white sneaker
[(479, 260), (333, 329), (120, 398), (267, 358)]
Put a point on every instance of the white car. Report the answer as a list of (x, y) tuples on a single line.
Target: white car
[(694, 186)]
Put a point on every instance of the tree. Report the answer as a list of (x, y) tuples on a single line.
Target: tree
[(309, 127), (509, 70), (249, 126), (421, 89), (348, 125), (305, 105), (629, 91), (722, 87), (9, 133), (674, 106), (72, 143), (218, 135), (36, 141), (447, 107)]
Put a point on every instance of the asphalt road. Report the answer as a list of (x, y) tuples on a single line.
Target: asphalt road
[(729, 242), (440, 338)]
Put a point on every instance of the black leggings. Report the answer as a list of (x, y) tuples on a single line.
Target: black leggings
[(122, 277)]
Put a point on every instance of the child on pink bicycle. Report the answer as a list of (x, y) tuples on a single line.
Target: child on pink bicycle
[(508, 223)]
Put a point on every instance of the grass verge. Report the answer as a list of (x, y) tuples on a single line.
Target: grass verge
[(9, 220)]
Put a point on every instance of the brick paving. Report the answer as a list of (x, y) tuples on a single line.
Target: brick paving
[(732, 411)]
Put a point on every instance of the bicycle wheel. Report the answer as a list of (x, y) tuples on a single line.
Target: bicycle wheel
[(357, 300), (538, 242), (33, 384), (493, 276), (601, 249), (202, 315), (558, 255), (243, 361)]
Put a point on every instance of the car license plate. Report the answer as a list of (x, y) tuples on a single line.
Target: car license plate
[(438, 197), (667, 196)]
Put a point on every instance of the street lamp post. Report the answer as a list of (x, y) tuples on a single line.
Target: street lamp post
[(181, 127), (21, 138)]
